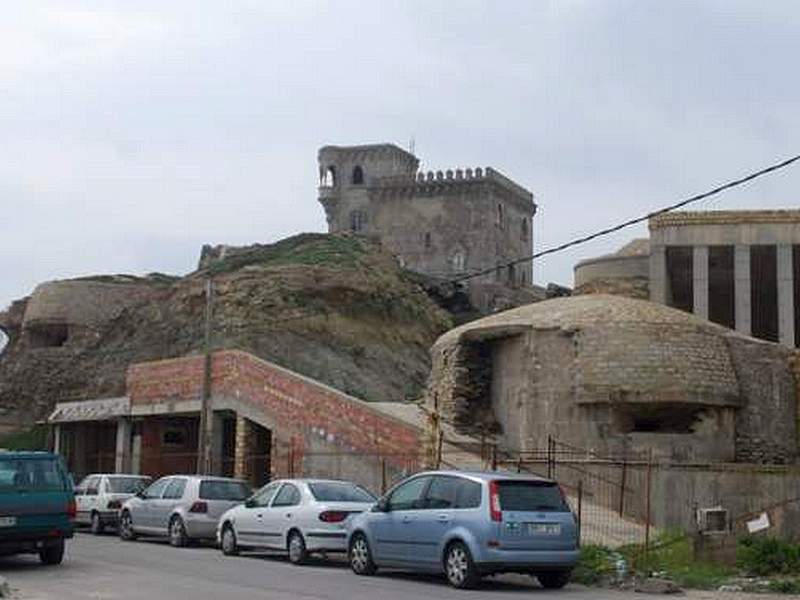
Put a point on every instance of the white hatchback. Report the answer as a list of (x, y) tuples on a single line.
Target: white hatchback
[(298, 516), (99, 498)]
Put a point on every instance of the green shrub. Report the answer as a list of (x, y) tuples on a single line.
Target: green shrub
[(766, 556), (34, 438), (596, 563), (784, 586)]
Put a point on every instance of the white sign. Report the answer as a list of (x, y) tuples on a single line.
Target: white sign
[(759, 524)]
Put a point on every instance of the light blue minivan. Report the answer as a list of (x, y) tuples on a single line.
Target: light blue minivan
[(468, 525)]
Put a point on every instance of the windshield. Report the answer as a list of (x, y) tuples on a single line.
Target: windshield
[(531, 496), (127, 485), (334, 491), (224, 490), (36, 474)]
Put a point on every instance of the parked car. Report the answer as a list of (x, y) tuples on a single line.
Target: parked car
[(181, 507), (299, 516), (37, 505), (468, 525), (99, 498)]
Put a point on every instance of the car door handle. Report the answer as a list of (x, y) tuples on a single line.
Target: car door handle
[(259, 516), (406, 519), (288, 515), (443, 518)]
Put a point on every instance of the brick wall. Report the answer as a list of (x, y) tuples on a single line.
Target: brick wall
[(297, 408)]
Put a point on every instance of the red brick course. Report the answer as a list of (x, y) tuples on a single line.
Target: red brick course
[(298, 406)]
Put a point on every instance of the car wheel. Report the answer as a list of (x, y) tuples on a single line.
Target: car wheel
[(177, 532), (97, 524), (459, 568), (52, 554), (553, 580), (126, 531), (360, 556), (296, 546), (228, 543)]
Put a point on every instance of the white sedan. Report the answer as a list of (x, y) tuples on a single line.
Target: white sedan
[(298, 516)]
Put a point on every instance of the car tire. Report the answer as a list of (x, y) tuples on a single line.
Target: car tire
[(126, 531), (52, 554), (177, 533), (228, 542), (296, 547), (459, 568), (360, 556), (553, 580), (97, 526)]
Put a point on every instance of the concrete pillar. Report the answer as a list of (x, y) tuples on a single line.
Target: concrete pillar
[(700, 280), (658, 274), (242, 448), (57, 438), (785, 295), (136, 454), (122, 462), (742, 283), (217, 433)]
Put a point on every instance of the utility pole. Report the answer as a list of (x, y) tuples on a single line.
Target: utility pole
[(205, 433)]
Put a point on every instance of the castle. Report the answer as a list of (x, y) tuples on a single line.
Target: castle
[(442, 224)]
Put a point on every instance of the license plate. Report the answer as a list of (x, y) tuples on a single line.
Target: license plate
[(8, 521), (544, 528)]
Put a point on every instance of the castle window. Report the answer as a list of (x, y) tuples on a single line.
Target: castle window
[(511, 275), (358, 220), (500, 217), (524, 230), (358, 175), (427, 241), (458, 261), (328, 179), (522, 278)]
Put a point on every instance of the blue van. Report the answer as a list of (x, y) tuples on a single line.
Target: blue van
[(37, 505), (467, 525)]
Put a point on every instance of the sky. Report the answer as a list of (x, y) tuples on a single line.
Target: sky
[(135, 132)]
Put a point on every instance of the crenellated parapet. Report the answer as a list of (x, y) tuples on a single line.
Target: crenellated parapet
[(430, 183)]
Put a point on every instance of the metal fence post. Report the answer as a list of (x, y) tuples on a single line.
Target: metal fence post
[(550, 452), (649, 496), (622, 485), (383, 475), (494, 457), (580, 508)]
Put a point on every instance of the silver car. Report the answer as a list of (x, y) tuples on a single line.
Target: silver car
[(299, 516), (181, 507), (99, 498)]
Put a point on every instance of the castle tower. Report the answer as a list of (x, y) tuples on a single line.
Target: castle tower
[(347, 172), (443, 224)]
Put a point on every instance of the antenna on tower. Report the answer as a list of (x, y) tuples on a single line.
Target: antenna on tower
[(412, 144)]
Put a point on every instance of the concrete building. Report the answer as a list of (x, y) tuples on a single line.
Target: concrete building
[(617, 375), (740, 269), (442, 224)]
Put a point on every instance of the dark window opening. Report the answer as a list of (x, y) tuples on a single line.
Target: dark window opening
[(660, 418), (510, 274), (500, 217), (721, 286), (796, 282), (358, 220), (524, 230), (680, 274), (764, 292), (358, 175), (174, 437), (427, 241), (48, 336)]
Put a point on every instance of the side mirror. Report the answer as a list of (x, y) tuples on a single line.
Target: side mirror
[(78, 491), (250, 503), (382, 505), (140, 494)]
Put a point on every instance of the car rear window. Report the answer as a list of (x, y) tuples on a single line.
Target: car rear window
[(224, 490), (328, 491), (531, 496), (127, 485), (35, 474)]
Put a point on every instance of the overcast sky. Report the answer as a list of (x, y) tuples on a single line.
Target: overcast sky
[(134, 132)]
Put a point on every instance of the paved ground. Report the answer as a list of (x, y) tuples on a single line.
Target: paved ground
[(104, 568)]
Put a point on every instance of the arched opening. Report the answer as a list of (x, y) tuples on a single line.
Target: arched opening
[(358, 175), (458, 261), (358, 220), (524, 229), (48, 335), (328, 178)]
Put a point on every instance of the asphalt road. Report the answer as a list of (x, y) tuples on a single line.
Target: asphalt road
[(105, 568)]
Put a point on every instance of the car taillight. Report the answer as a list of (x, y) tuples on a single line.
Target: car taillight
[(199, 507), (114, 505), (332, 516), (494, 502), (72, 509)]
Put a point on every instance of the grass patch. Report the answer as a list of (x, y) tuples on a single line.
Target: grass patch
[(34, 438), (767, 556), (596, 564)]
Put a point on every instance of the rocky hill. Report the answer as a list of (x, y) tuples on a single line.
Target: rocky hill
[(335, 308)]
